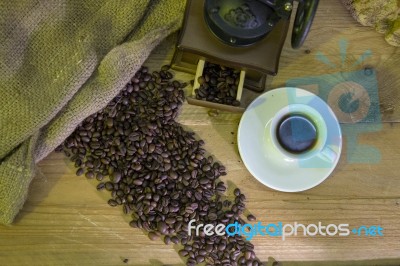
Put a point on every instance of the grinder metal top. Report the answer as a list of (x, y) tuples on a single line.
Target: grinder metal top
[(241, 22)]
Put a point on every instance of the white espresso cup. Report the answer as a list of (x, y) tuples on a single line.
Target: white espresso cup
[(314, 118)]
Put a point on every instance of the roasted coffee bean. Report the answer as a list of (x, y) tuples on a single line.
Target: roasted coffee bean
[(116, 176), (247, 255), (183, 253), (101, 186), (229, 214), (109, 122), (251, 217), (174, 240), (212, 216), (112, 203), (109, 186), (204, 181), (199, 258), (80, 171), (157, 170), (138, 182), (221, 246), (162, 227), (99, 176), (242, 197), (153, 236), (78, 163), (206, 168), (126, 209), (170, 220), (167, 240), (89, 174)]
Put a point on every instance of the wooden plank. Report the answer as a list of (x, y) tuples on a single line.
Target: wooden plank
[(65, 221)]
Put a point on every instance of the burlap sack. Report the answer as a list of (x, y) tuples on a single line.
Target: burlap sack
[(383, 15), (61, 61)]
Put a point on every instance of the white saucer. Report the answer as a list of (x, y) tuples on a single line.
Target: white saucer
[(263, 160)]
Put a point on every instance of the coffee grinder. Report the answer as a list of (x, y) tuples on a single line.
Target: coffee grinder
[(247, 35)]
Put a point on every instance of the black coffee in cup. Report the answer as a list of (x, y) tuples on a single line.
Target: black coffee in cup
[(296, 133)]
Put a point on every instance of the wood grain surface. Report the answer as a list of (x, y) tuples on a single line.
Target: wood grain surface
[(65, 221)]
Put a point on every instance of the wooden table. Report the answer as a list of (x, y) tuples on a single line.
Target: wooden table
[(65, 221)]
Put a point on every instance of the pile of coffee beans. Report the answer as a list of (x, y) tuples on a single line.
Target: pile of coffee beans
[(158, 172), (218, 84)]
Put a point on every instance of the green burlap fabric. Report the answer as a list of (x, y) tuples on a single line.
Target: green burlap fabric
[(61, 61)]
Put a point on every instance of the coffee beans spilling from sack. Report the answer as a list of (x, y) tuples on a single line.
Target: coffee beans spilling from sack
[(158, 172), (218, 84)]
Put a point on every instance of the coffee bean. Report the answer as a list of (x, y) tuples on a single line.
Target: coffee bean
[(242, 197), (112, 203), (153, 236), (170, 220), (221, 188), (85, 139), (204, 181), (251, 217), (174, 240), (109, 122), (206, 168), (101, 186), (105, 160), (99, 176), (134, 224), (229, 214), (162, 227), (78, 163), (199, 259), (89, 174), (212, 216), (109, 186), (183, 253), (201, 80), (80, 171), (167, 240), (116, 177), (247, 255)]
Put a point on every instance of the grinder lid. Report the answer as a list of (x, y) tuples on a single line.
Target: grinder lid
[(244, 22), (241, 22)]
